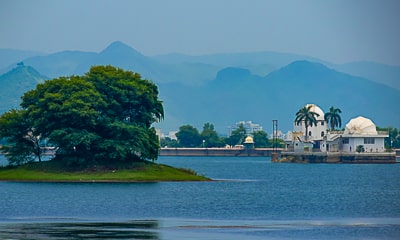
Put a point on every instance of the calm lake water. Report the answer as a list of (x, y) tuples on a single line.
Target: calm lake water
[(255, 199)]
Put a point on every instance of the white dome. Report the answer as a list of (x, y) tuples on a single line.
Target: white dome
[(360, 125), (316, 109)]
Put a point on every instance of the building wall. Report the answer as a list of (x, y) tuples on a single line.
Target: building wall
[(331, 146), (315, 130), (302, 146), (349, 144), (377, 146)]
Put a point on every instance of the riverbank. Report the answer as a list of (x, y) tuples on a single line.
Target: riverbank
[(218, 152), (139, 172), (335, 157)]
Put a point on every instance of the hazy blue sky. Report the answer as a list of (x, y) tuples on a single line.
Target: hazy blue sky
[(333, 30)]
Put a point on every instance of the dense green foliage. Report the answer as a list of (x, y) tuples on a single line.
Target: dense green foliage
[(260, 139), (237, 136), (23, 140), (333, 118), (210, 137), (189, 136), (393, 141), (104, 116)]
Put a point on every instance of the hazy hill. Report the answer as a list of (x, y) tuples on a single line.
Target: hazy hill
[(15, 83), (123, 56), (225, 88), (9, 57), (118, 54), (236, 94), (386, 74), (60, 64), (275, 59), (190, 70)]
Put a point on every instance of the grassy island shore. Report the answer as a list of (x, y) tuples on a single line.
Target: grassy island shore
[(51, 171)]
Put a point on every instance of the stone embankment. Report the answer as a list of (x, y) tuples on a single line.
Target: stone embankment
[(336, 157), (219, 152)]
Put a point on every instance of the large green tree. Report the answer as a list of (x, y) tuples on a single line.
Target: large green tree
[(210, 136), (104, 116), (22, 142), (188, 136), (260, 139), (307, 117), (333, 118), (237, 136)]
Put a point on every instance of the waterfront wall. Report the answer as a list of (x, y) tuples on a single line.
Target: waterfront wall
[(279, 156), (219, 152), (319, 157)]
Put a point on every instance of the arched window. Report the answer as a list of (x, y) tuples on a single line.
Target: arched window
[(322, 134), (309, 133)]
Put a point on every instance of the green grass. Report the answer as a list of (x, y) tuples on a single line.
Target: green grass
[(139, 172)]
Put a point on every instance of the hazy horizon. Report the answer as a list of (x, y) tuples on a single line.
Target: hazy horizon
[(336, 31)]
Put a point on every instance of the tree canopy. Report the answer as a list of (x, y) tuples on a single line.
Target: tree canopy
[(188, 136), (260, 139), (237, 136), (210, 136), (333, 117), (104, 116), (308, 117)]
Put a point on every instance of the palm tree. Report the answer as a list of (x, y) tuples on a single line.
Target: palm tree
[(333, 118), (307, 116)]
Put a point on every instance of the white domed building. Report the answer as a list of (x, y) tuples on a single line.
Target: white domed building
[(315, 132), (359, 131), (322, 146)]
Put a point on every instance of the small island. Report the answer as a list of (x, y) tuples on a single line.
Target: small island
[(92, 128), (51, 171)]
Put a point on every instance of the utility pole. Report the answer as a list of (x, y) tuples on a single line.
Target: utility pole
[(274, 135), (274, 154)]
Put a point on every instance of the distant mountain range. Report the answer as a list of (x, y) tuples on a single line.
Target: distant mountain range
[(226, 88), (15, 83), (237, 94)]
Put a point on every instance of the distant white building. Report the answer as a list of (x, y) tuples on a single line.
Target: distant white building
[(359, 131), (297, 141), (161, 135), (279, 134), (248, 125)]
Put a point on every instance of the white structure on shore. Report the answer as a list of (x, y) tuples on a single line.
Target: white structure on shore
[(359, 131), (315, 132)]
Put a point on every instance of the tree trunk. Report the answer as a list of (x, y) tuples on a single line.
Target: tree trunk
[(38, 151), (306, 135)]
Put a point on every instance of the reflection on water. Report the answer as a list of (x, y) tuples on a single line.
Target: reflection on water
[(172, 229), (81, 230), (257, 200)]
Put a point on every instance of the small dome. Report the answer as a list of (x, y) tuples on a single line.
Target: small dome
[(360, 125), (316, 109), (249, 140)]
